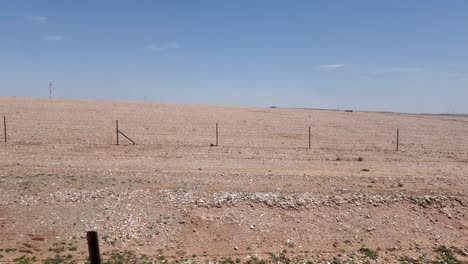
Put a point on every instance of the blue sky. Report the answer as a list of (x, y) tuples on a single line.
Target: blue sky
[(396, 55)]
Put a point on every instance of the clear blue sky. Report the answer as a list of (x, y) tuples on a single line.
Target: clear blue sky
[(395, 55)]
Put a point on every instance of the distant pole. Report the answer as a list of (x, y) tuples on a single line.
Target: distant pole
[(117, 130), (397, 138), (309, 139), (50, 90), (93, 247), (4, 128)]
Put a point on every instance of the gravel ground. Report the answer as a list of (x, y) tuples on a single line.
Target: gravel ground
[(261, 190)]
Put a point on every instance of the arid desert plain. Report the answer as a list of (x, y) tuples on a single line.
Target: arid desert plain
[(261, 194)]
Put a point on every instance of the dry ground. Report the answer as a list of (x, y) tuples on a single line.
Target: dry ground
[(261, 190)]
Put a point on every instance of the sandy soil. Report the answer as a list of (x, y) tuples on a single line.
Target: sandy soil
[(261, 190)]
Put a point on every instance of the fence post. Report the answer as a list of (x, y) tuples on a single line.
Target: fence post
[(216, 134), (397, 139), (93, 247), (309, 138), (117, 130), (4, 128)]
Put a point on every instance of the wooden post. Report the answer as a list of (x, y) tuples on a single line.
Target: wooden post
[(93, 247), (216, 134), (117, 130), (4, 128), (397, 139), (309, 138)]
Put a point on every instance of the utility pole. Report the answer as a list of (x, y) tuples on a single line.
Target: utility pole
[(50, 90)]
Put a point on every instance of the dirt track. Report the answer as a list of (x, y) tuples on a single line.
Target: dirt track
[(260, 191)]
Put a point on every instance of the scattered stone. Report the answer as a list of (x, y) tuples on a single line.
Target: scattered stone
[(36, 238)]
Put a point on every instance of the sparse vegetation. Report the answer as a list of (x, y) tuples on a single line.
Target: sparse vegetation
[(255, 260), (60, 259), (280, 259), (336, 260), (63, 247), (226, 260), (372, 254), (161, 259), (25, 260), (118, 258), (447, 255)]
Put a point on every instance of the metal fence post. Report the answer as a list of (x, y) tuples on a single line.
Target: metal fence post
[(397, 138), (4, 128), (117, 130)]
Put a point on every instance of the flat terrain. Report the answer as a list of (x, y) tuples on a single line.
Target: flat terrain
[(261, 190)]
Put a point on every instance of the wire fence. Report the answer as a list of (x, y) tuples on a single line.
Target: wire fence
[(217, 135), (326, 135)]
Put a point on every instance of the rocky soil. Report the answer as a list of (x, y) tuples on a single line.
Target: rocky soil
[(260, 193)]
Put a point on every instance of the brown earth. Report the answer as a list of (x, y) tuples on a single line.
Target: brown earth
[(261, 190)]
